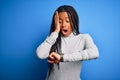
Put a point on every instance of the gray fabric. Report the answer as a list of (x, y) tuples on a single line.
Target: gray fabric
[(75, 50)]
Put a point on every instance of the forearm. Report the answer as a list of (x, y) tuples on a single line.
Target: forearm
[(90, 51), (44, 49), (87, 54)]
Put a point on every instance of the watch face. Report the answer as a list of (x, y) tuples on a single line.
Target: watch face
[(61, 58)]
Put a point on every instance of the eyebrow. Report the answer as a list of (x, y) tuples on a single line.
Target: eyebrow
[(66, 18)]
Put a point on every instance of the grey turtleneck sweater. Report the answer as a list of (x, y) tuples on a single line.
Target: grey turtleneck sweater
[(75, 48)]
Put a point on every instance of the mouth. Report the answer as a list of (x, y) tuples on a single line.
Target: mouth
[(65, 31)]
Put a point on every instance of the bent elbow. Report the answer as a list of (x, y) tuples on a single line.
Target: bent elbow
[(96, 53), (40, 55), (96, 56)]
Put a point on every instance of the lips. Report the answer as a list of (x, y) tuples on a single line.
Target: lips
[(65, 31)]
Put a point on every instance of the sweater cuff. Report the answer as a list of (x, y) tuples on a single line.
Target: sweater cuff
[(54, 35)]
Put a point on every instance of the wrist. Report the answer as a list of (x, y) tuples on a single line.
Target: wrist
[(57, 31), (61, 58)]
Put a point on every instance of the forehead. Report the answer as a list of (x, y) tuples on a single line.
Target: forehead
[(63, 15)]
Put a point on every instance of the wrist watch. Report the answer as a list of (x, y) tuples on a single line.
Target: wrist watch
[(61, 58)]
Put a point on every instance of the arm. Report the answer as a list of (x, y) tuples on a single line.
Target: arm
[(90, 51), (44, 49)]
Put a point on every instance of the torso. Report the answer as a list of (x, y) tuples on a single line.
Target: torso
[(69, 45)]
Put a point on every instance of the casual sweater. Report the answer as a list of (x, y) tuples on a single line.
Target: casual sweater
[(75, 48)]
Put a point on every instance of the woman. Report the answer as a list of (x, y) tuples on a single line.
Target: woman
[(65, 47)]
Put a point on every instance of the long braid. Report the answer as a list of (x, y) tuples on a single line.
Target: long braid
[(74, 21), (55, 48)]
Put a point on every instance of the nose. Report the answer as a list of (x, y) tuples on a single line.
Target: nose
[(63, 24)]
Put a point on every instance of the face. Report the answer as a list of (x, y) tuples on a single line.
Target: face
[(65, 26)]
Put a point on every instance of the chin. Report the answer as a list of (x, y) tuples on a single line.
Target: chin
[(65, 35)]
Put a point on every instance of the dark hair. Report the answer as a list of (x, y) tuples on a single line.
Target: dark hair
[(74, 22), (73, 16)]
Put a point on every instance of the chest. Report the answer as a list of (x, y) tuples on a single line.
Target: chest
[(72, 44)]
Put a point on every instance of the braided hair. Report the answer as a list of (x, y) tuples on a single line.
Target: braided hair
[(74, 22)]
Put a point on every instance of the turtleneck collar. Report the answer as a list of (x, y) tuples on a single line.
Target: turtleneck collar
[(71, 35)]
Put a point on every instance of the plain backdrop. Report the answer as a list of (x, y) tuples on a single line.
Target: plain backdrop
[(24, 24)]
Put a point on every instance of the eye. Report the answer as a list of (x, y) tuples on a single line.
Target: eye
[(67, 21), (60, 21)]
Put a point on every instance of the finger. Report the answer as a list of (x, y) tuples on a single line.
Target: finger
[(51, 58), (51, 61), (51, 55), (57, 14), (56, 61), (56, 56)]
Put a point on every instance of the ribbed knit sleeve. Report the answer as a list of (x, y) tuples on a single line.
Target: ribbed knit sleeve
[(44, 49), (90, 51)]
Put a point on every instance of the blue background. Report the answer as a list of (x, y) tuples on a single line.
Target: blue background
[(24, 24)]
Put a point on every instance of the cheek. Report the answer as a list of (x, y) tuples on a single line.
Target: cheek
[(60, 26), (70, 30), (69, 27)]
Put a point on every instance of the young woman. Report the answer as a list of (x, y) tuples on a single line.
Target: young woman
[(65, 47)]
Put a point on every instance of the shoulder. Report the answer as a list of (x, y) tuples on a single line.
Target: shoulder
[(84, 35)]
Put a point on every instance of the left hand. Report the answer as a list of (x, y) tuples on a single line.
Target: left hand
[(54, 58), (57, 24)]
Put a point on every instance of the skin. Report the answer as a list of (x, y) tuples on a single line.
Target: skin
[(62, 24)]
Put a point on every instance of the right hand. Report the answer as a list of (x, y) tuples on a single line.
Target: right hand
[(57, 24), (54, 58)]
